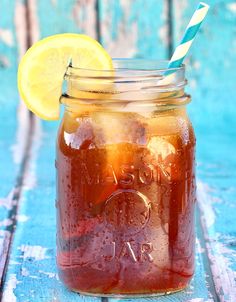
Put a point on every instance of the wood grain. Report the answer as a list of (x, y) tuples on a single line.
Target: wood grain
[(211, 72), (211, 62), (132, 29), (126, 28), (31, 273), (77, 16), (14, 123)]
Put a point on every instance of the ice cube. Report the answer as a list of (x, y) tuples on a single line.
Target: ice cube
[(160, 148)]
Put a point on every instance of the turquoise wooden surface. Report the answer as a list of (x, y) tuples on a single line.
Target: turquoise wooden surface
[(211, 64), (13, 123), (8, 51), (211, 73), (128, 29), (31, 272)]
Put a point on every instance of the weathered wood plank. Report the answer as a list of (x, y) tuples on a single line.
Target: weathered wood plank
[(211, 62), (32, 264), (14, 122), (211, 73), (131, 29), (65, 16), (220, 242), (9, 157), (201, 288), (31, 274), (125, 31)]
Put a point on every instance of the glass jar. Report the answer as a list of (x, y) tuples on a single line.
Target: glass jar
[(125, 181)]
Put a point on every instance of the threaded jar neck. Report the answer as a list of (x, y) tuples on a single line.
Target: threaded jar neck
[(136, 81)]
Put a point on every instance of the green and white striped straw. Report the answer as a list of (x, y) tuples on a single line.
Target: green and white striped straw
[(187, 40)]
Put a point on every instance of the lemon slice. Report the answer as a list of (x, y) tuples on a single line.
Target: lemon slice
[(41, 70)]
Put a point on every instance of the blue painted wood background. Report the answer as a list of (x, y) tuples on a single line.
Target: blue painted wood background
[(126, 28)]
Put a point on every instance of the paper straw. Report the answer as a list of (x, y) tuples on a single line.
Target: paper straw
[(187, 40)]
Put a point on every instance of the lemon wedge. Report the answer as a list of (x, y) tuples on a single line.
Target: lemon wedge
[(42, 68)]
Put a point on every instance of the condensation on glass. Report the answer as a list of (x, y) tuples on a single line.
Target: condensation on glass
[(125, 181)]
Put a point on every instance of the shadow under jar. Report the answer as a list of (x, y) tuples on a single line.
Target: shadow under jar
[(125, 181)]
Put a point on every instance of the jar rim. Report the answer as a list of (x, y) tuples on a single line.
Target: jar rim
[(126, 68), (131, 80)]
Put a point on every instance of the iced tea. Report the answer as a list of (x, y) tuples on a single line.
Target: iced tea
[(125, 202)]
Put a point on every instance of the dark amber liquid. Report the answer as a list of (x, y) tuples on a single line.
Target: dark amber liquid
[(126, 194)]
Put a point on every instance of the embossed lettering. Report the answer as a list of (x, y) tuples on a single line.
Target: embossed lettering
[(109, 176), (162, 171), (146, 250), (89, 178), (141, 253), (127, 176), (127, 210), (146, 174), (127, 250)]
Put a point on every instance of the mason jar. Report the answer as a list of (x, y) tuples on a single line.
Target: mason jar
[(125, 181)]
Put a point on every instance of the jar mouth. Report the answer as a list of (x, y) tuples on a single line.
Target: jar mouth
[(131, 80), (126, 68)]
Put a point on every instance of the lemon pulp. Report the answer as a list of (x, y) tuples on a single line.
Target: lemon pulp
[(42, 68)]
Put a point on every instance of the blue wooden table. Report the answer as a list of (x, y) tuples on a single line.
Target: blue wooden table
[(131, 28)]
